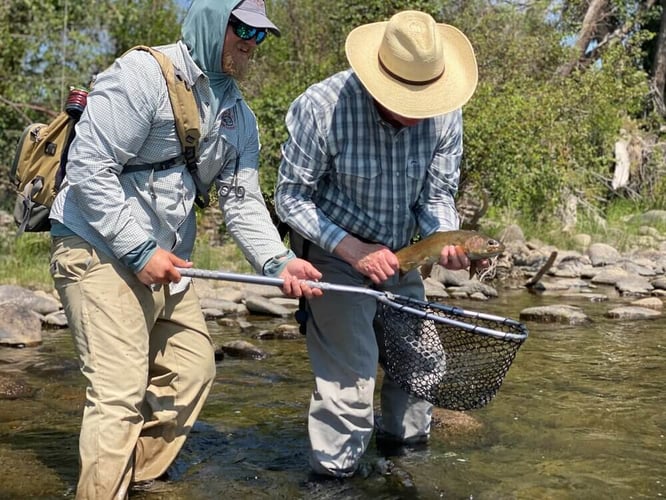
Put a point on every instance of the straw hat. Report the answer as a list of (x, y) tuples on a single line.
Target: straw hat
[(413, 66)]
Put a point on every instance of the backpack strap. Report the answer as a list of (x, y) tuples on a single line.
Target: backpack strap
[(186, 115)]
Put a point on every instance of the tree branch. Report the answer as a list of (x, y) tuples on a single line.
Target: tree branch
[(19, 106)]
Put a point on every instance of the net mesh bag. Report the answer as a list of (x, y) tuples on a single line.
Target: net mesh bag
[(453, 358)]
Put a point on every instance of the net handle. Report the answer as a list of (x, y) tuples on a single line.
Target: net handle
[(279, 282), (383, 297)]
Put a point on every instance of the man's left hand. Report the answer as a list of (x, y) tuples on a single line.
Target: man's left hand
[(454, 258), (294, 274)]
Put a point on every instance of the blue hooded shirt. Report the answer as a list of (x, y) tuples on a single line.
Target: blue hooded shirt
[(203, 32)]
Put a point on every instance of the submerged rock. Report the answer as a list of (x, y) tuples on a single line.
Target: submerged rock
[(558, 313), (632, 312), (12, 387), (243, 349)]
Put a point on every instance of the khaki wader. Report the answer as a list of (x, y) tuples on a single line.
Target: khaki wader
[(344, 355), (149, 364)]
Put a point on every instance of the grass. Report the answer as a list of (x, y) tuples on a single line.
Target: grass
[(24, 261), (619, 226), (227, 257)]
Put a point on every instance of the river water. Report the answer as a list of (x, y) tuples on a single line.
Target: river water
[(581, 414)]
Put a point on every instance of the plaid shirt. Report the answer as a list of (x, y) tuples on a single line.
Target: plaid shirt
[(347, 171)]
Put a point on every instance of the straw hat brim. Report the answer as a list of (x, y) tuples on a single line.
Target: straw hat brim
[(451, 91)]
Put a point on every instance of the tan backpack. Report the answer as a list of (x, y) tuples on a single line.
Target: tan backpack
[(41, 152)]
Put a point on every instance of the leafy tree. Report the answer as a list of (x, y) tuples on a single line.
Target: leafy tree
[(311, 48), (555, 93)]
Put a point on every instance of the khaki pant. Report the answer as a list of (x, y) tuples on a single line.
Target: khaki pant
[(344, 354), (149, 363)]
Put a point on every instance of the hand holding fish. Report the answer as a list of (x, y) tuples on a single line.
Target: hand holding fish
[(377, 262), (446, 248), (453, 257)]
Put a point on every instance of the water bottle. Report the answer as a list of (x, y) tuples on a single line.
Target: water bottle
[(76, 101)]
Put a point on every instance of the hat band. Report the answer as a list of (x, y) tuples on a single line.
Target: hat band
[(405, 80)]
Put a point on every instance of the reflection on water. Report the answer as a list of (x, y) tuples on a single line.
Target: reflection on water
[(581, 414)]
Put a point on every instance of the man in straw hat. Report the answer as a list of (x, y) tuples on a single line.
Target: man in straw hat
[(371, 160)]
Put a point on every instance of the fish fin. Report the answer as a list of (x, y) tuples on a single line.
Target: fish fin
[(426, 269), (472, 269)]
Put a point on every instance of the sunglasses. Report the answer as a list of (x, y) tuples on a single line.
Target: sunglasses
[(245, 32)]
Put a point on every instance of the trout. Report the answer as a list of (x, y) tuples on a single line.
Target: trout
[(426, 251)]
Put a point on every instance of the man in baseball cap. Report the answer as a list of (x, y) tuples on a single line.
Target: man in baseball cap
[(145, 349)]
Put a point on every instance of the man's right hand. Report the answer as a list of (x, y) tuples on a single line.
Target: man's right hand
[(161, 268)]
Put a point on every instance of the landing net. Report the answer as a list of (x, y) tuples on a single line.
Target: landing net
[(453, 358)]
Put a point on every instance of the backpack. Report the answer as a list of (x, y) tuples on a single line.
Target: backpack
[(41, 152)]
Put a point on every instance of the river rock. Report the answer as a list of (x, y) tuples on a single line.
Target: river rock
[(210, 313), (56, 319), (214, 307), (455, 422), (55, 367), (447, 277), (243, 349), (570, 268), (652, 232), (571, 284), (288, 302), (267, 291), (609, 276), (657, 257), (532, 258), (632, 312), (471, 287), (434, 289), (641, 267), (19, 327), (257, 304), (512, 233), (582, 241), (285, 331), (659, 283), (586, 295), (633, 285), (552, 287), (650, 303), (230, 292), (35, 301), (556, 313), (602, 254)]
